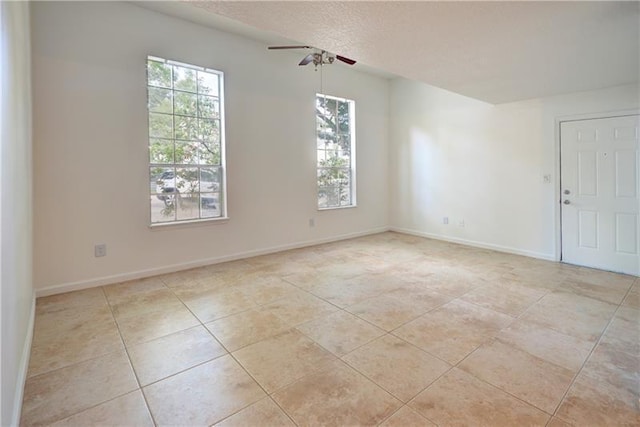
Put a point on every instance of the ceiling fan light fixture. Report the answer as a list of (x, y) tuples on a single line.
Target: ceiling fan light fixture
[(320, 57)]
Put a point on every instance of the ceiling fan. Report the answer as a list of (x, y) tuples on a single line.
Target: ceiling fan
[(320, 57)]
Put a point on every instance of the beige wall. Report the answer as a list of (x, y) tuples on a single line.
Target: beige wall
[(16, 288), (483, 164), (90, 143)]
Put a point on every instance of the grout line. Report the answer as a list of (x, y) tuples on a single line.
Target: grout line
[(126, 350)]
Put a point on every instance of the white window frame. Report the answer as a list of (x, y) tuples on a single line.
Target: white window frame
[(352, 155), (222, 193)]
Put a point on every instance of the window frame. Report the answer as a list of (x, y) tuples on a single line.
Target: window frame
[(352, 154), (221, 167)]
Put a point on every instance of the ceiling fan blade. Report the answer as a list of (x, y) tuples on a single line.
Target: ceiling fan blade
[(306, 59), (345, 60), (288, 47)]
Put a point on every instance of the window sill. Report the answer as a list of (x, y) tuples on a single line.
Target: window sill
[(333, 208), (192, 223)]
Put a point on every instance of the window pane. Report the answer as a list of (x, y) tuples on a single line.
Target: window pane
[(185, 103), (209, 179), (157, 177), (160, 100), (343, 117), (187, 180), (160, 151), (208, 107), (187, 206), (210, 205), (159, 74), (208, 83), (328, 197), (209, 130), (209, 153), (160, 125), (162, 209), (186, 152), (184, 79), (186, 128), (345, 196)]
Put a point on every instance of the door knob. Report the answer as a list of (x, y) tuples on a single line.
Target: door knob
[(567, 192), (567, 202)]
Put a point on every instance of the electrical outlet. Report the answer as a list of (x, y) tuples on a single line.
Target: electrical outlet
[(445, 220), (100, 250), (546, 179), (312, 222)]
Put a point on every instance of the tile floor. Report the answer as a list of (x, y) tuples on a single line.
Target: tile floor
[(388, 329)]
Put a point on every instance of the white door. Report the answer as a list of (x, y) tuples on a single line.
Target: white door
[(600, 182)]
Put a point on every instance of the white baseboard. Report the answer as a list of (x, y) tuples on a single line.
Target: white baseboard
[(499, 248), (116, 278), (24, 367)]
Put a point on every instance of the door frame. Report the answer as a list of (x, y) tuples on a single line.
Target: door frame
[(558, 164)]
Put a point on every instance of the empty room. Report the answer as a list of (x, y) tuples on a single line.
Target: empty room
[(320, 213)]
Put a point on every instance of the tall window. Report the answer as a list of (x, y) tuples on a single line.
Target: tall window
[(186, 142), (335, 135)]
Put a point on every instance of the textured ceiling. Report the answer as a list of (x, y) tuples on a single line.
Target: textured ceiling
[(493, 51)]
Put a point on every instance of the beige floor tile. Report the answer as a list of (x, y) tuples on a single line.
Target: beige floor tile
[(571, 314), (202, 395), (511, 299), (248, 327), (148, 326), (590, 402), (280, 360), (601, 277), (185, 277), (308, 280), (552, 346), (125, 290), (75, 343), (632, 300), (264, 413), (48, 326), (162, 357), (345, 292), (340, 332), (406, 417), (454, 330), (602, 292), (454, 281), (266, 289), (300, 308), (536, 381), (396, 366), (620, 369), (622, 333), (337, 395), (460, 399), (145, 302), (557, 422), (127, 410), (214, 305), (86, 298), (420, 295), (58, 394), (386, 311)]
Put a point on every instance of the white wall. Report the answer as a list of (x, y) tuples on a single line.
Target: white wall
[(90, 145), (484, 164), (16, 288)]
